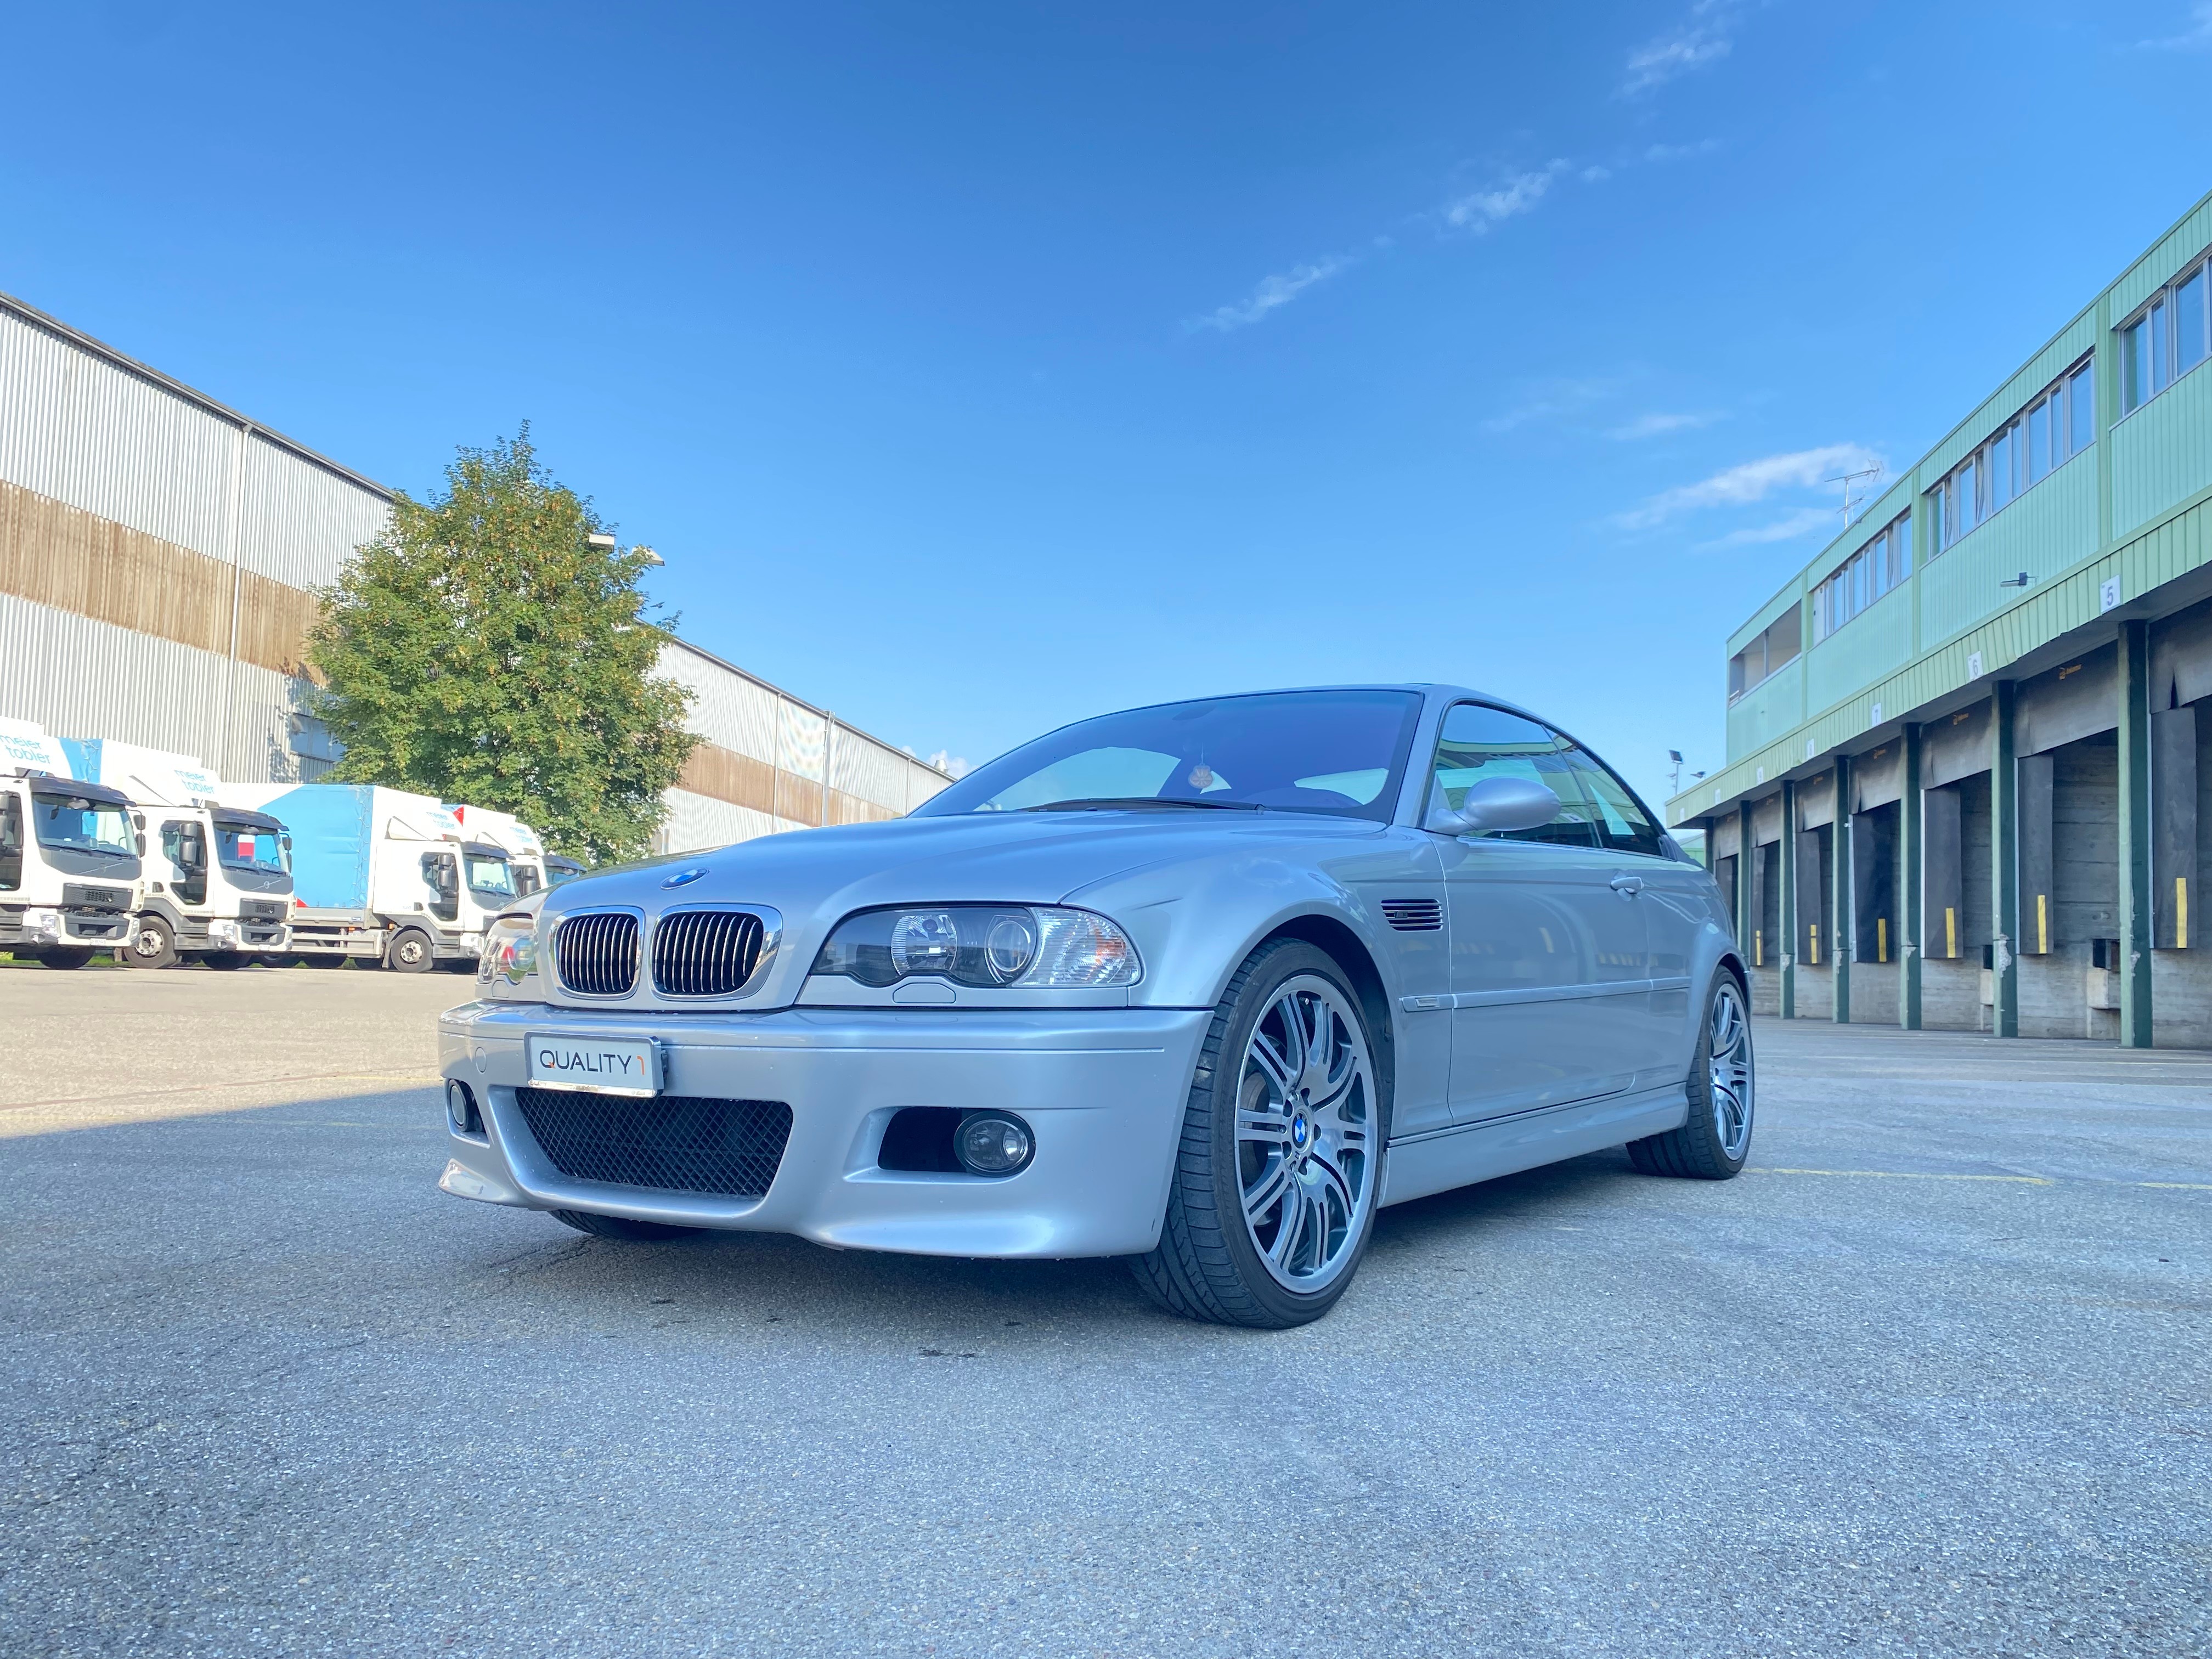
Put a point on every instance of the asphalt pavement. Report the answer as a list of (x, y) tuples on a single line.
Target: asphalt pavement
[(1931, 1379)]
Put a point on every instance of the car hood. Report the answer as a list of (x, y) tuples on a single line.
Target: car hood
[(815, 878)]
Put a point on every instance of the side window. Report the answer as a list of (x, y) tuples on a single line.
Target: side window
[(11, 843), (1622, 824), (1480, 742)]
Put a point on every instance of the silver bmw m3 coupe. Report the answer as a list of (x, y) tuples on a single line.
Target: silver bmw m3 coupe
[(1204, 985)]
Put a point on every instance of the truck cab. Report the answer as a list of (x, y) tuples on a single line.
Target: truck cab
[(218, 887), (217, 883), (69, 866)]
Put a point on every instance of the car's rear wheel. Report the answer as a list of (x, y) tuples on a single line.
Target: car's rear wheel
[(1281, 1158), (1715, 1140), (620, 1226)]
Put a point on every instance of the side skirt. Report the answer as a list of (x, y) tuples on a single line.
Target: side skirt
[(1466, 1153)]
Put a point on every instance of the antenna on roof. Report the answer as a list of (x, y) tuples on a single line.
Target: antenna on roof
[(1847, 480)]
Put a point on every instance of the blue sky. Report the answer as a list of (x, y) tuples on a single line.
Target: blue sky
[(979, 367)]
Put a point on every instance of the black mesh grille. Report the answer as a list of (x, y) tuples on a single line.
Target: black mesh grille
[(677, 1143), (597, 954), (1414, 915), (705, 953)]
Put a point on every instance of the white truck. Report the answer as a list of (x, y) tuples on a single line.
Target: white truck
[(383, 876), (534, 868), (68, 856), (217, 882)]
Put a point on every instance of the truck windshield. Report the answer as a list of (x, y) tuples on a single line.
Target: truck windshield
[(83, 825), (493, 875), (1337, 752), (251, 846)]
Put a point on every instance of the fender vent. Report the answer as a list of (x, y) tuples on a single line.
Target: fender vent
[(1414, 915)]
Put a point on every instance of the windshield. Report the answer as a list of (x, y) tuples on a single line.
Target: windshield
[(251, 846), (490, 875), (1338, 752), (560, 870), (87, 826)]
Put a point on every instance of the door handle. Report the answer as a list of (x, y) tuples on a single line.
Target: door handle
[(1627, 886)]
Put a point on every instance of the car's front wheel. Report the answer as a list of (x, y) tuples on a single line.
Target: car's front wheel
[(1280, 1163), (1715, 1140)]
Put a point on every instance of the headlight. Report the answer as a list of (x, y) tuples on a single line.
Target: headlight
[(991, 946), (510, 950), (43, 925)]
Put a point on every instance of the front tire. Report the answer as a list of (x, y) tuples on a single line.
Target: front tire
[(1280, 1163), (411, 953), (65, 956), (621, 1226), (154, 945), (1715, 1140), (224, 961)]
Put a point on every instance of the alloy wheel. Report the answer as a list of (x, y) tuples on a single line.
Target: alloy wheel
[(1305, 1121), (1729, 1070)]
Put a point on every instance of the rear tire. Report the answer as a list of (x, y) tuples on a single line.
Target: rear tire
[(1280, 1163), (411, 953), (1714, 1141), (156, 946), (621, 1226), (66, 956)]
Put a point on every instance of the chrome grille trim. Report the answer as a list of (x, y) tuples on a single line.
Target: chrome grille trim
[(595, 953), (713, 950)]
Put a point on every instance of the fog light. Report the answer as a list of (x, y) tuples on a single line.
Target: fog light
[(461, 1109), (42, 927), (993, 1143)]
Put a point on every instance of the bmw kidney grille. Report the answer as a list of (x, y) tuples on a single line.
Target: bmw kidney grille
[(596, 954), (705, 953)]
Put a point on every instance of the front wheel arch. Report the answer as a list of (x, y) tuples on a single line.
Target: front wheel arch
[(1335, 939)]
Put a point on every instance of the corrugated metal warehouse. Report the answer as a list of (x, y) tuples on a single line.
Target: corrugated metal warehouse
[(1969, 778), (157, 555)]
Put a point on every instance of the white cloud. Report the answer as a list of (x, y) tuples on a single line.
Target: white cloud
[(1659, 425), (1751, 481), (1551, 400), (1272, 291), (1664, 153), (1803, 522), (1483, 208), (2197, 37), (1705, 36)]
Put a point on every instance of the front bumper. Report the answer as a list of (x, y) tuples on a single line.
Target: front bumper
[(1102, 1089)]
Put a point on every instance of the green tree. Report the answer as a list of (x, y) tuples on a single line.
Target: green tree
[(481, 650)]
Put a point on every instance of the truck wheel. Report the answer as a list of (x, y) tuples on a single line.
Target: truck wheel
[(225, 961), (621, 1226), (411, 953), (66, 956), (154, 947), (321, 959)]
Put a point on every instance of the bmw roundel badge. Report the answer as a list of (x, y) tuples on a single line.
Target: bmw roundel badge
[(685, 878)]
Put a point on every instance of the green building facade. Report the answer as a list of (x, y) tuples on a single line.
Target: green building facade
[(1964, 787)]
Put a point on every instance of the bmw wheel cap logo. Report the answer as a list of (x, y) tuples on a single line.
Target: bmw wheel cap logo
[(685, 878)]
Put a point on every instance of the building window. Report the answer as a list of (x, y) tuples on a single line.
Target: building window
[(1782, 639), (1882, 564), (2019, 455), (2167, 338)]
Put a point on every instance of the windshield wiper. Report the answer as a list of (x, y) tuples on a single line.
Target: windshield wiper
[(1102, 803)]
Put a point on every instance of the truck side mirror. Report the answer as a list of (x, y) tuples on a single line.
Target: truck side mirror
[(140, 839)]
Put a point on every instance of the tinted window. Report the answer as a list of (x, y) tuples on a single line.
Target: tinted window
[(1622, 822), (1480, 742)]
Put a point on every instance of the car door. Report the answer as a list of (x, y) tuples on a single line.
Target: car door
[(1675, 898), (1551, 994)]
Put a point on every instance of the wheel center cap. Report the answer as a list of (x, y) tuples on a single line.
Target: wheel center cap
[(1299, 1130)]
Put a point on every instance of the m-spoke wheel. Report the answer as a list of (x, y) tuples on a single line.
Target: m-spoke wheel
[(1280, 1162), (1303, 1132), (1713, 1142)]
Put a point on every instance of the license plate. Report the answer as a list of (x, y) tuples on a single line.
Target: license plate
[(594, 1065)]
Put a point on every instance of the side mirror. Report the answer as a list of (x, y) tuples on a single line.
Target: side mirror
[(141, 840), (1496, 804)]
